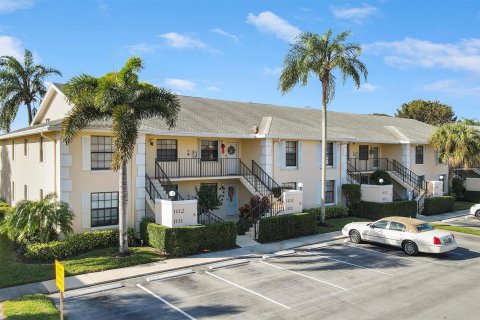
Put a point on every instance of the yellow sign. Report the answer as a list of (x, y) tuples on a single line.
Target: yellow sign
[(60, 276)]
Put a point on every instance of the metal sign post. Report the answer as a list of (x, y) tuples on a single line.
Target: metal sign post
[(60, 283)]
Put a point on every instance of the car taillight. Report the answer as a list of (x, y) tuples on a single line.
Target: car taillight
[(436, 240)]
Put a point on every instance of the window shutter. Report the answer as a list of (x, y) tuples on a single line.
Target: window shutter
[(336, 154), (319, 192), (278, 154), (283, 155), (338, 190), (319, 154), (86, 213), (300, 154), (86, 161)]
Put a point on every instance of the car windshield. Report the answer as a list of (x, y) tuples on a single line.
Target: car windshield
[(424, 227)]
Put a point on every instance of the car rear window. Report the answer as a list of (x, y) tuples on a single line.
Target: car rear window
[(424, 227)]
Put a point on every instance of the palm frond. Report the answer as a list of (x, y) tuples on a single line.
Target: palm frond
[(151, 101)]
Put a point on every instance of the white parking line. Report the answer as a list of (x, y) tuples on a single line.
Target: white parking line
[(304, 275), (166, 302), (248, 290), (352, 264)]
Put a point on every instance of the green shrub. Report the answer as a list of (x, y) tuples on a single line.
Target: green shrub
[(4, 209), (286, 226), (76, 244), (472, 196), (352, 193), (458, 188), (184, 241), (380, 174), (331, 212), (438, 205), (375, 210)]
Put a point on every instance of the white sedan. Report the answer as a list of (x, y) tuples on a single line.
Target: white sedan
[(411, 235), (475, 210)]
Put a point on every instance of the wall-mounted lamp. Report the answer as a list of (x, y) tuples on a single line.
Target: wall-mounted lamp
[(151, 142), (380, 181), (300, 186), (441, 177), (172, 194)]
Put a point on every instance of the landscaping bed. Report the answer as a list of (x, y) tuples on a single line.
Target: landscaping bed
[(466, 230)]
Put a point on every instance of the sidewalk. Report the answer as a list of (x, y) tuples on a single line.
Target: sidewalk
[(95, 278), (443, 216)]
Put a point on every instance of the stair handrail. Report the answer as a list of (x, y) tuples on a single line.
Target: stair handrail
[(162, 177), (351, 172), (407, 175), (150, 187), (246, 172), (264, 177), (211, 218)]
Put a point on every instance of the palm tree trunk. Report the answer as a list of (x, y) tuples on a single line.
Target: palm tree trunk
[(324, 149), (450, 179), (122, 210), (29, 110)]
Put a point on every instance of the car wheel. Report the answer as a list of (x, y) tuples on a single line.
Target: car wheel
[(410, 248), (477, 214), (355, 236)]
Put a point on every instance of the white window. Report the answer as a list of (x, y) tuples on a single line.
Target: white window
[(104, 209), (291, 148), (419, 154), (101, 152)]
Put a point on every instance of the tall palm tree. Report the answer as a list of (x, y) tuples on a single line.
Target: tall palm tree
[(21, 83), (121, 98), (316, 55), (458, 144)]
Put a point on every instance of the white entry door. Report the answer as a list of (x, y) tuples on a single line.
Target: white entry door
[(232, 159), (232, 199)]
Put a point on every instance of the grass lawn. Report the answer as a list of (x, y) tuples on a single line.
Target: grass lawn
[(462, 205), (30, 307), (14, 272), (337, 224), (467, 230)]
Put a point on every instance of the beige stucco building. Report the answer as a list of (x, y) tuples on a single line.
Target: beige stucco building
[(237, 148)]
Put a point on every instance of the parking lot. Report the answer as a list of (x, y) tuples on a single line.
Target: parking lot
[(464, 221), (334, 280)]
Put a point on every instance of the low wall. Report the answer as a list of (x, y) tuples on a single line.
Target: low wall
[(435, 188), (377, 193), (292, 201), (472, 184), (176, 213)]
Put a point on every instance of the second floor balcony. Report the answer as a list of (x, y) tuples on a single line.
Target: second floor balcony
[(199, 168)]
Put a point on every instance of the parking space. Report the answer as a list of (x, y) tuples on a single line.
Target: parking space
[(333, 280), (465, 221)]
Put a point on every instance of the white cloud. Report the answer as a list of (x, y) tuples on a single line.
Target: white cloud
[(181, 85), (452, 87), (269, 22), (272, 71), (8, 6), (10, 46), (180, 41), (411, 52), (357, 14), (235, 38), (367, 87), (213, 89), (140, 48)]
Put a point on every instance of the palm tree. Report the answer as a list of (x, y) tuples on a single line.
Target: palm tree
[(458, 144), (21, 83), (316, 55), (121, 98), (38, 221)]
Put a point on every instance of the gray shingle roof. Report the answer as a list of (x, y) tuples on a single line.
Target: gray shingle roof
[(203, 116)]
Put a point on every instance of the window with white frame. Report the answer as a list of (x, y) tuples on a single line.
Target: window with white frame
[(104, 208), (101, 150), (167, 150), (209, 150), (330, 191), (329, 154), (419, 155), (291, 149)]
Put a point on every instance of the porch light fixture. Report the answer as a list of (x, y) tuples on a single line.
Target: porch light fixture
[(380, 181), (172, 194), (441, 177), (300, 186), (151, 142)]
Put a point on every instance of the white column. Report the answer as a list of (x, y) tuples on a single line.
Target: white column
[(64, 162), (343, 163), (266, 159), (406, 154), (140, 156)]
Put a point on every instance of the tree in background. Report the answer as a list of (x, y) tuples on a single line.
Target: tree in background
[(458, 144), (471, 121), (319, 56), (121, 98), (38, 221), (21, 83), (431, 112)]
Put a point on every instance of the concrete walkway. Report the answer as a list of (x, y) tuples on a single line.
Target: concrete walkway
[(443, 216), (95, 278)]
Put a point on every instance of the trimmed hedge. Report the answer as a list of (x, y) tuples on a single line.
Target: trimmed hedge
[(375, 210), (331, 212), (472, 196), (76, 244), (184, 241), (438, 205), (286, 226), (4, 208), (353, 193)]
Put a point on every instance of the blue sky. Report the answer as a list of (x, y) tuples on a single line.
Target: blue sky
[(234, 49)]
